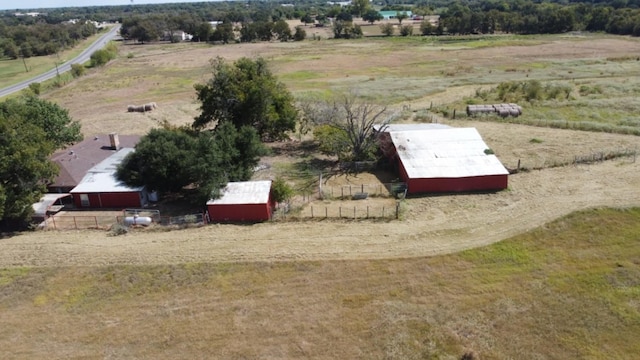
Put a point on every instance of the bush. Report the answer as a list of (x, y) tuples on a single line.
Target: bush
[(103, 56), (300, 34), (387, 29), (35, 87), (118, 229), (281, 190), (406, 30), (77, 70)]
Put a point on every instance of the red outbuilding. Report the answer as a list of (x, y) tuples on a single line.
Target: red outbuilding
[(247, 201), (443, 159)]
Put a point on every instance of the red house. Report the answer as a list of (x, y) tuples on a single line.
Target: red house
[(248, 201), (75, 161), (100, 189), (443, 159)]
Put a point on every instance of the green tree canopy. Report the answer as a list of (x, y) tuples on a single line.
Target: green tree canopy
[(371, 16), (31, 129), (59, 129), (170, 160), (246, 93)]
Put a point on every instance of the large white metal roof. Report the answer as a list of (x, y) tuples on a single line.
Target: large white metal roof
[(102, 177), (445, 153), (410, 127), (244, 192)]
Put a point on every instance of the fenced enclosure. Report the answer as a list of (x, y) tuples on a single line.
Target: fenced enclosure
[(355, 212), (356, 191), (73, 222)]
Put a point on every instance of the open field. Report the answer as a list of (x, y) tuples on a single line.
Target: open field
[(567, 290), (564, 288)]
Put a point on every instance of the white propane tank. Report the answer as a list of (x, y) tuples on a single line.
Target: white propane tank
[(138, 220)]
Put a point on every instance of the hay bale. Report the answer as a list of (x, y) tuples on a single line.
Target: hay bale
[(131, 108)]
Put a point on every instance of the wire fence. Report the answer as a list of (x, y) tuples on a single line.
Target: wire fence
[(105, 222), (357, 192), (319, 212)]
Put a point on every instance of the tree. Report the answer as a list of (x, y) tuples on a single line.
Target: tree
[(359, 7), (24, 169), (223, 33), (300, 34), (371, 16), (30, 130), (426, 28), (387, 29), (246, 93), (401, 16), (306, 19), (281, 190), (169, 160), (282, 31), (60, 130), (203, 31), (351, 118)]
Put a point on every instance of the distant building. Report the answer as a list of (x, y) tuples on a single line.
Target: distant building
[(393, 14)]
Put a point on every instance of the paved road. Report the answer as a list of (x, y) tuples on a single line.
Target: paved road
[(80, 59)]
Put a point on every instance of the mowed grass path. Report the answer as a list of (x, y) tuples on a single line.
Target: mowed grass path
[(570, 289)]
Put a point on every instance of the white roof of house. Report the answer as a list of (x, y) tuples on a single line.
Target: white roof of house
[(445, 153), (102, 177), (244, 192)]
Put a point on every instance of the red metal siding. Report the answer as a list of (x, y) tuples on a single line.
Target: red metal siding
[(110, 200), (239, 212), (476, 183)]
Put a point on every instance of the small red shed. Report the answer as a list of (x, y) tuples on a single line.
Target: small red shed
[(245, 201)]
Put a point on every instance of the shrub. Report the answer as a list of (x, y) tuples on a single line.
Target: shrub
[(118, 229), (35, 87), (300, 34), (77, 70), (281, 190), (387, 29), (406, 30)]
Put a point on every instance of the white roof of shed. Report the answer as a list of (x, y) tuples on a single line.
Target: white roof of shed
[(244, 192), (445, 153), (102, 177), (410, 127)]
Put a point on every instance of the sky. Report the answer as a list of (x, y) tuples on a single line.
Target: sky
[(40, 4)]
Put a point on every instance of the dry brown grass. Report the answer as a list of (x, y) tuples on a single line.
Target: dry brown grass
[(566, 291)]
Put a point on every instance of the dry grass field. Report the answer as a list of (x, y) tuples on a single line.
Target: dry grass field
[(356, 289)]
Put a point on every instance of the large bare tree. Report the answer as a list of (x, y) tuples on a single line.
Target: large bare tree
[(356, 121)]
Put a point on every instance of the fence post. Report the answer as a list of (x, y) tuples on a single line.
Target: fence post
[(367, 211), (342, 190), (312, 212), (95, 218), (53, 218), (340, 212), (397, 210), (383, 212), (354, 212), (75, 223), (326, 212)]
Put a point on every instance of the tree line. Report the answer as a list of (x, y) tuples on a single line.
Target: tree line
[(27, 39)]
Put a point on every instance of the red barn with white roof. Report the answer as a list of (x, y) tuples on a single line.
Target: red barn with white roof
[(441, 159), (247, 201)]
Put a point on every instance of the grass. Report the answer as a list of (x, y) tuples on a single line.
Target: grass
[(567, 290)]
